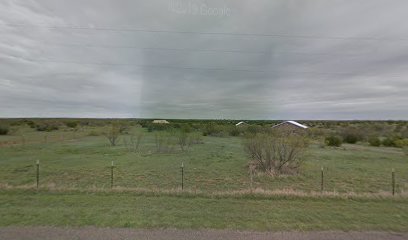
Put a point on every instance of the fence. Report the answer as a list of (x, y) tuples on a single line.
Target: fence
[(323, 176)]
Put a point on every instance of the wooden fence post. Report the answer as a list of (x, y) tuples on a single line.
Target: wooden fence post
[(38, 173), (112, 166), (393, 181), (322, 181), (182, 175)]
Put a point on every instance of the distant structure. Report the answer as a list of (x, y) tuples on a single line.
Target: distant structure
[(290, 125), (161, 121), (241, 124)]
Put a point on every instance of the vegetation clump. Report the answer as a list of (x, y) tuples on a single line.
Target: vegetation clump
[(71, 124), (276, 152), (374, 141), (112, 133), (47, 126), (352, 135), (333, 141), (4, 130)]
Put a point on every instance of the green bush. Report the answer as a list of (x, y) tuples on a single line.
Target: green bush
[(31, 124), (234, 131), (333, 141), (352, 135), (374, 141), (71, 124), (47, 126), (4, 130), (389, 142), (157, 127), (401, 143), (214, 130)]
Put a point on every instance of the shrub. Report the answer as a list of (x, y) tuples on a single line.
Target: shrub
[(254, 129), (389, 142), (352, 135), (374, 141), (47, 126), (333, 141), (112, 133), (94, 133), (31, 124), (401, 143), (156, 127), (234, 131), (4, 130), (71, 124), (182, 140), (165, 142), (404, 133), (277, 152), (352, 139), (214, 130), (195, 138), (134, 141)]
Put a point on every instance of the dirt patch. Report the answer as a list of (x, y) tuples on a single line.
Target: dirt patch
[(91, 233)]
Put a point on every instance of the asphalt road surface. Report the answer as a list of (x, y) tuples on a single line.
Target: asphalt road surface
[(91, 233)]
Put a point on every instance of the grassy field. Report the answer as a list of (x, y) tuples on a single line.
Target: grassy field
[(75, 185), (75, 159), (30, 208)]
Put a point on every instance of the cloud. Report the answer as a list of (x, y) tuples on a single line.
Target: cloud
[(283, 59)]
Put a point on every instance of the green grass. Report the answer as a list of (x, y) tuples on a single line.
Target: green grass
[(75, 160), (71, 159), (30, 208)]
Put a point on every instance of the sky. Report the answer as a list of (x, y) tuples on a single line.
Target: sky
[(218, 59)]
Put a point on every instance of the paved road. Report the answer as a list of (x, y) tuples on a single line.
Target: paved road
[(90, 233)]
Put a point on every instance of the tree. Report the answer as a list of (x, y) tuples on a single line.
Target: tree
[(182, 140), (276, 152), (112, 134), (133, 145)]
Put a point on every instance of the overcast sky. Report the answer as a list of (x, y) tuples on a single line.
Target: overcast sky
[(229, 59)]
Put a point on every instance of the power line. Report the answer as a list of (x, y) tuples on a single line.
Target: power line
[(193, 67), (269, 52), (140, 65), (111, 29), (159, 49)]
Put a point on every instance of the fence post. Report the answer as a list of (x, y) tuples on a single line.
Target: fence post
[(322, 181), (112, 166), (393, 181), (182, 175), (38, 173)]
